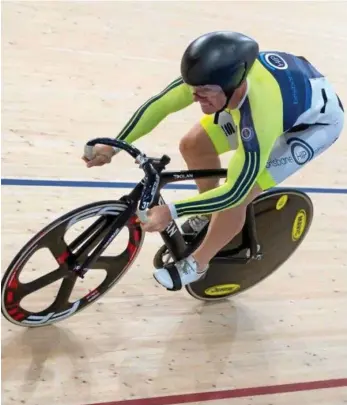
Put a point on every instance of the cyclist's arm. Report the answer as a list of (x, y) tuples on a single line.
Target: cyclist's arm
[(248, 162), (173, 98)]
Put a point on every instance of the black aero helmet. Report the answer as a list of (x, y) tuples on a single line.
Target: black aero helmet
[(222, 57)]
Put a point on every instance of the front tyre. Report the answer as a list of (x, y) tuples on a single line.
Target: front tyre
[(100, 218)]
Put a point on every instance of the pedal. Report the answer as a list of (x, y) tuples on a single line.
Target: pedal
[(258, 255)]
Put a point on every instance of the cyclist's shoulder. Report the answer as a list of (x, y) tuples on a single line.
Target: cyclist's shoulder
[(286, 70), (285, 62), (280, 87)]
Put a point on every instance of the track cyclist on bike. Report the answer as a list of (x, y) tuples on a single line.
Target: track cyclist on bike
[(274, 109)]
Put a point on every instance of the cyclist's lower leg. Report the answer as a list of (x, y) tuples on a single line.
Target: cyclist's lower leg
[(218, 234), (224, 226)]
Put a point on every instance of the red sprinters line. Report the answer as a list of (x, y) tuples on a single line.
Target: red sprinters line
[(235, 393)]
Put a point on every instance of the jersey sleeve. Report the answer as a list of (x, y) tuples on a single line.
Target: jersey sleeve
[(174, 97), (248, 162)]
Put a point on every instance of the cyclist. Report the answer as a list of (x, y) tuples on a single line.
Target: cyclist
[(274, 109)]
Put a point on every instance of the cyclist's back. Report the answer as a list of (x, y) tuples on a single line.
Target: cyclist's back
[(302, 87)]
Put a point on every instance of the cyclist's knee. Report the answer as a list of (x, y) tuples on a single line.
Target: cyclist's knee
[(197, 143)]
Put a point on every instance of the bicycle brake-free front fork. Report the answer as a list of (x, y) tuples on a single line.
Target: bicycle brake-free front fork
[(86, 240)]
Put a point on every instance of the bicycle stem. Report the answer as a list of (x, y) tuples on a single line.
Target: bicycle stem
[(151, 180)]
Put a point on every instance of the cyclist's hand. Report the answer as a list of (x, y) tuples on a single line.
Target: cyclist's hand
[(102, 154), (158, 218)]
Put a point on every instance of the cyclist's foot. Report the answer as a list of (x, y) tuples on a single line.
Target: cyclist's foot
[(195, 223), (179, 274)]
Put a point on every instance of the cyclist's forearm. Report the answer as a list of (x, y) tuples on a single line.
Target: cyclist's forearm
[(243, 170), (173, 98)]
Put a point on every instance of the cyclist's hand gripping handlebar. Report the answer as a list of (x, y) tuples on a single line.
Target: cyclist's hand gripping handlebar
[(151, 179)]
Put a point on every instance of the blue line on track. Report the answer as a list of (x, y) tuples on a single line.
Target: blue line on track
[(120, 184)]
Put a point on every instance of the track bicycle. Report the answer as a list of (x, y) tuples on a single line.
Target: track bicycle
[(277, 222)]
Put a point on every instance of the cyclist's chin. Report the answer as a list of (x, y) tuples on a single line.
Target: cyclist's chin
[(208, 108)]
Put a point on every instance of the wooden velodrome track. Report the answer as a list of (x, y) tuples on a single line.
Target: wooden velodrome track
[(76, 70)]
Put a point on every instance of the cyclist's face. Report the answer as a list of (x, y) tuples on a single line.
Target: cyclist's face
[(211, 98)]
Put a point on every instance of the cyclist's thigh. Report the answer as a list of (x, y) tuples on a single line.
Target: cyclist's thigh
[(222, 136), (292, 151)]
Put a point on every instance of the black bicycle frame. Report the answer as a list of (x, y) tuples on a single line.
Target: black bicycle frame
[(172, 236), (145, 191)]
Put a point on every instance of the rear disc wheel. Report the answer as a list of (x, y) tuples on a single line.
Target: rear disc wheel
[(283, 219)]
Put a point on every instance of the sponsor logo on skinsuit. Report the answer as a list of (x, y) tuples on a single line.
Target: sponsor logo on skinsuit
[(279, 162), (301, 151), (276, 61)]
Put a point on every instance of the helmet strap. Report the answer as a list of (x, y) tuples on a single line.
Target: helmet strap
[(229, 94), (216, 115)]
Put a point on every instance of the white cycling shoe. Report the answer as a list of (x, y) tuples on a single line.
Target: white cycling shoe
[(176, 275)]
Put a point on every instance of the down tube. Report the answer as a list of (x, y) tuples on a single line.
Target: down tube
[(173, 238)]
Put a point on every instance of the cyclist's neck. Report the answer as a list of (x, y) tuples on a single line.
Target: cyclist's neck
[(239, 96)]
